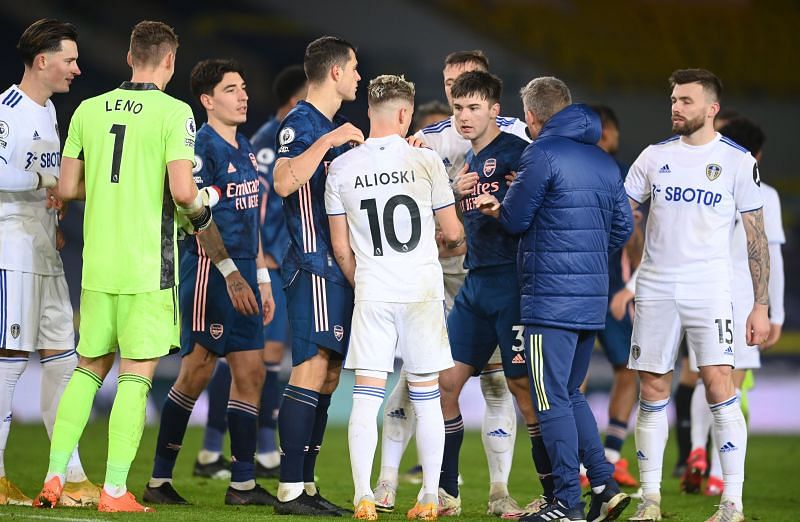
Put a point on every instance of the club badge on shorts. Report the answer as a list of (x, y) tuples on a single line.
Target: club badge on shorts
[(636, 351)]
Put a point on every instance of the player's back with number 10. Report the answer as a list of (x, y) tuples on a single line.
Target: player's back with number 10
[(127, 136)]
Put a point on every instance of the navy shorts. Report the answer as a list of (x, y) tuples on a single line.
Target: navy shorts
[(616, 339), (485, 314), (278, 329), (320, 313), (208, 317)]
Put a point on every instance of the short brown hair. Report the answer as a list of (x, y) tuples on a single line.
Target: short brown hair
[(464, 57), (151, 41), (707, 79), (44, 36), (322, 54), (484, 84), (388, 87)]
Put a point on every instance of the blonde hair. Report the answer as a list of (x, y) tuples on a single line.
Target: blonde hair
[(389, 87)]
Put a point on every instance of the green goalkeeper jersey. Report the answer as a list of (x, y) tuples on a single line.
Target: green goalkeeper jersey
[(125, 138)]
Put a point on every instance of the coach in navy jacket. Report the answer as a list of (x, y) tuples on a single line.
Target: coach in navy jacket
[(569, 206)]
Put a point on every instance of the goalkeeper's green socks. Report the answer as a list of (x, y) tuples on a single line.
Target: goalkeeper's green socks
[(125, 429), (73, 414)]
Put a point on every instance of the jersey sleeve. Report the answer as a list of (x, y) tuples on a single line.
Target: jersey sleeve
[(7, 135), (773, 225), (179, 134), (333, 200), (295, 136), (519, 128), (747, 186), (637, 182), (441, 191), (73, 147), (205, 167), (12, 178)]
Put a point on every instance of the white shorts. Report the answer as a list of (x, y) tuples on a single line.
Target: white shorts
[(745, 357), (35, 312), (453, 274), (416, 331), (659, 326)]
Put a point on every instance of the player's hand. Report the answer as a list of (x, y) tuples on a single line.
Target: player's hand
[(416, 142), (242, 297), (464, 182), (347, 133), (267, 302), (774, 335), (619, 303), (510, 177), (54, 202), (488, 205), (60, 242), (757, 326)]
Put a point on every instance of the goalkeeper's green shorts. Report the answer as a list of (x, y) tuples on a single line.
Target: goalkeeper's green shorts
[(142, 326)]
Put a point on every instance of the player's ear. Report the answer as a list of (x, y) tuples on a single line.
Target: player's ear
[(336, 72), (169, 60), (129, 59), (713, 111), (494, 110), (40, 61), (207, 102)]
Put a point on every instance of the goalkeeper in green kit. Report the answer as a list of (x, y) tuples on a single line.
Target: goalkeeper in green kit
[(129, 154)]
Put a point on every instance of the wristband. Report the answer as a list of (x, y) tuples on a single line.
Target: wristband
[(194, 206), (262, 275), (226, 267), (47, 181)]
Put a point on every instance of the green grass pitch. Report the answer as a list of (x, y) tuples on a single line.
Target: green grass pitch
[(770, 488)]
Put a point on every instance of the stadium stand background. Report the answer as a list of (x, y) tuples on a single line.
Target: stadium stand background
[(618, 53)]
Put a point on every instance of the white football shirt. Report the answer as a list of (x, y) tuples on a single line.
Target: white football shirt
[(389, 191), (452, 148), (694, 193), (742, 282), (28, 141)]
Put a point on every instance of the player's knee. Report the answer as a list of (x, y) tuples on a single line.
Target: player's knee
[(422, 379), (654, 387), (494, 386)]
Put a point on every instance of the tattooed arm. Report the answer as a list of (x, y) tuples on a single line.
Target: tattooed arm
[(757, 328), (242, 296)]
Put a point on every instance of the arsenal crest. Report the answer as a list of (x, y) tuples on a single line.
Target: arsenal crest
[(216, 331), (338, 332), (713, 171), (489, 166), (253, 161)]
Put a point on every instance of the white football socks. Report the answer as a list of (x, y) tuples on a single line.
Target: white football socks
[(652, 431), (701, 416), (362, 436), (399, 424), (730, 430), (498, 431), (430, 435), (11, 369)]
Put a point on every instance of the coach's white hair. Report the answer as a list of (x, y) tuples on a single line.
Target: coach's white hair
[(545, 96)]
